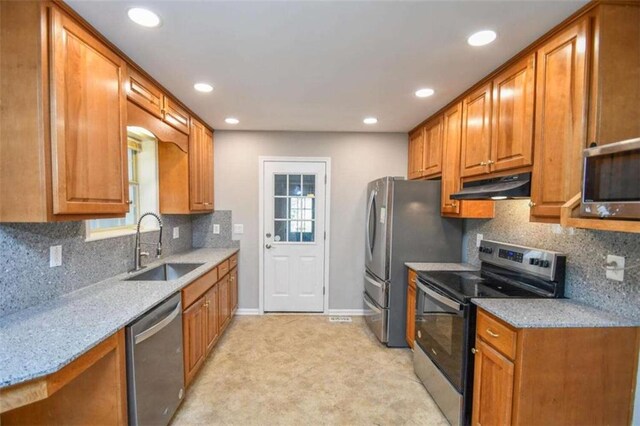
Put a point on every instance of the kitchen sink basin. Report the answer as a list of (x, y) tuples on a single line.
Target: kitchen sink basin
[(165, 272)]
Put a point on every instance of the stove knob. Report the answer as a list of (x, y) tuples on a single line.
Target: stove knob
[(536, 262), (531, 260), (489, 250), (545, 263), (481, 249)]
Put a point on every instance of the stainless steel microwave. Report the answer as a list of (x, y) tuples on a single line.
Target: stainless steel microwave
[(611, 180)]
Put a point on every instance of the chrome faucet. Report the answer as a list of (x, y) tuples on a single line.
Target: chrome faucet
[(139, 254)]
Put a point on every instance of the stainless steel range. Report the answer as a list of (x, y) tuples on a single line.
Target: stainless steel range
[(446, 318)]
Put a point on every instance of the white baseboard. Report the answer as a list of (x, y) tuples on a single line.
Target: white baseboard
[(346, 312), (248, 311)]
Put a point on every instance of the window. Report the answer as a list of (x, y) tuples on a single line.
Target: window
[(294, 208), (143, 189)]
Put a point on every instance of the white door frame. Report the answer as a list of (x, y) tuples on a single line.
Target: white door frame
[(261, 162)]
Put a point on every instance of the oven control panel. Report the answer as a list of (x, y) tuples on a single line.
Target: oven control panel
[(544, 263)]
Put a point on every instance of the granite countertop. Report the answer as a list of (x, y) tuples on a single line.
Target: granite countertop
[(435, 266), (552, 313), (42, 339)]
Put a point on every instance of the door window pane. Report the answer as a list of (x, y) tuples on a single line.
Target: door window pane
[(309, 185), (280, 208), (295, 185), (280, 231), (280, 184), (308, 231)]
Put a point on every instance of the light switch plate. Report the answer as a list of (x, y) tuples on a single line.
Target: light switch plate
[(479, 238), (216, 228), (55, 256), (176, 232), (615, 272), (238, 228)]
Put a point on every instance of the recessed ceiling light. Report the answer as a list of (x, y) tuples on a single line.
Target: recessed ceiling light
[(481, 38), (424, 93), (203, 87), (370, 120), (231, 120), (143, 17)]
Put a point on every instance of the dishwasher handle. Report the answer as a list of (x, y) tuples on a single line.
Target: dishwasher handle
[(141, 337)]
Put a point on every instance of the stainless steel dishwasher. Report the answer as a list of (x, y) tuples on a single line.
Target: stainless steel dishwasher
[(155, 366)]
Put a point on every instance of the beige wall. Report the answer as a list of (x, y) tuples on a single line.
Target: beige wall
[(356, 159)]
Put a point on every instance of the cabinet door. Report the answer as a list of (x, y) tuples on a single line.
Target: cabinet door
[(223, 300), (193, 325), (197, 154), (233, 290), (416, 149), (144, 93), (207, 170), (432, 158), (411, 311), (88, 122), (212, 328), (512, 118), (492, 387), (452, 125), (560, 123), (175, 116), (476, 132)]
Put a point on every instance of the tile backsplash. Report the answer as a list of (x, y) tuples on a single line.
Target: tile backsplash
[(203, 235), (586, 251), (26, 278)]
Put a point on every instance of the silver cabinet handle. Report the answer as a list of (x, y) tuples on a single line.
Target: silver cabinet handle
[(532, 204), (490, 162)]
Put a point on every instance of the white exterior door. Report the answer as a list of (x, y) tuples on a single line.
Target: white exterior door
[(294, 197)]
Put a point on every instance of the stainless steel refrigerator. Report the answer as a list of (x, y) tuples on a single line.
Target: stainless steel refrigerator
[(403, 225)]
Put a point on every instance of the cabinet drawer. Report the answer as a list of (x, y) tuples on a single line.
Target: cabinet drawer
[(411, 280), (144, 93), (176, 116), (223, 268), (497, 334), (233, 261), (196, 289)]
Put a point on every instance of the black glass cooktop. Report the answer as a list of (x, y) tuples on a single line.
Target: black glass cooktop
[(464, 286)]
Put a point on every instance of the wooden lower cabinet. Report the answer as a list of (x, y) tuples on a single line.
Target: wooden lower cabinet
[(92, 390), (194, 323), (554, 376), (411, 308), (209, 303)]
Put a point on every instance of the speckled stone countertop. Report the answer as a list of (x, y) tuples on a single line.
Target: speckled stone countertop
[(435, 266), (551, 313), (42, 339)]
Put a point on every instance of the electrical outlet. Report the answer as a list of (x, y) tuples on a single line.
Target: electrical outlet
[(615, 267), (216, 228), (479, 238), (238, 229), (556, 228), (55, 256), (176, 232)]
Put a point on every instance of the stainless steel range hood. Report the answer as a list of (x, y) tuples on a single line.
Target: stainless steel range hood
[(500, 188)]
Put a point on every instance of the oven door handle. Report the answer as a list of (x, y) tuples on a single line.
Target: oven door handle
[(439, 297)]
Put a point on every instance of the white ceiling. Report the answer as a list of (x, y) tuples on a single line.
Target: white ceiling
[(322, 65)]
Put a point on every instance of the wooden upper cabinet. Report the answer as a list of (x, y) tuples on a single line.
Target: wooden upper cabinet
[(200, 167), (560, 122), (492, 387), (175, 115), (476, 132), (512, 118), (432, 151), (144, 93), (416, 154), (88, 117)]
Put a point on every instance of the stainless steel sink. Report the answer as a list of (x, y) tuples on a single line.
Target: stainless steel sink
[(165, 272)]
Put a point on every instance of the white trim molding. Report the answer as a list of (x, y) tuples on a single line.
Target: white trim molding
[(327, 226), (249, 311), (346, 312)]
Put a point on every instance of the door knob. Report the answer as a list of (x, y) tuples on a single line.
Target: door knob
[(268, 246)]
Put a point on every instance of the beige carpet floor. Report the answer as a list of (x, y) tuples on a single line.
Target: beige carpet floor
[(304, 370)]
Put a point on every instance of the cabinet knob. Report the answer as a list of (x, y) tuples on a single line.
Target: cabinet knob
[(490, 162), (483, 163), (474, 351), (532, 204)]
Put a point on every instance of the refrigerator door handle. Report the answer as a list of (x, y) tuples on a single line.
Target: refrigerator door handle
[(371, 239), (372, 281)]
